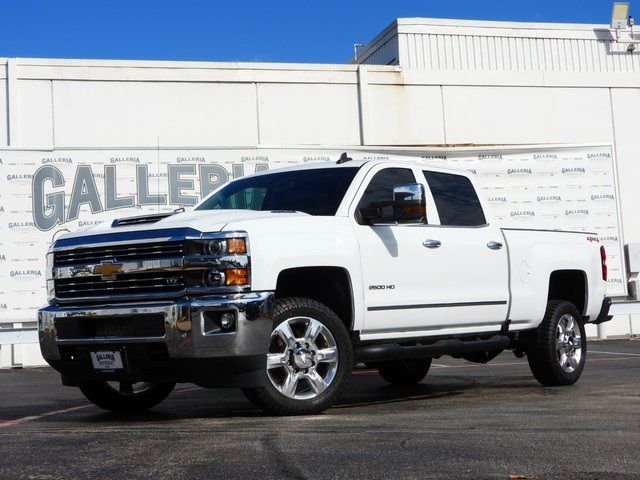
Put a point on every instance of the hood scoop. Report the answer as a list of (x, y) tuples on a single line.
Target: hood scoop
[(143, 219)]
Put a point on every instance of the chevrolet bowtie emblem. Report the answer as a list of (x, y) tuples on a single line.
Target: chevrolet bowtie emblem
[(108, 270)]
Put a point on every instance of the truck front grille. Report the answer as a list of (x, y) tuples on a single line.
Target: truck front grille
[(134, 285), (118, 253)]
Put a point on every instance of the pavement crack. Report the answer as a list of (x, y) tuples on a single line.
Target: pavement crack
[(403, 444), (287, 468)]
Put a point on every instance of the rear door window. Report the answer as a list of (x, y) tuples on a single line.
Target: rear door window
[(456, 199)]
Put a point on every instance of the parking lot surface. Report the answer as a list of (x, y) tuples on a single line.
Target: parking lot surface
[(463, 421)]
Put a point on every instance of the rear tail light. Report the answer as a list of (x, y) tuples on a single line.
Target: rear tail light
[(603, 259)]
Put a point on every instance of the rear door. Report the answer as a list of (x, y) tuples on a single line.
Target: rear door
[(470, 264)]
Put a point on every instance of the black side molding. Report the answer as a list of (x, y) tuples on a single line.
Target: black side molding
[(436, 305), (604, 316), (394, 351)]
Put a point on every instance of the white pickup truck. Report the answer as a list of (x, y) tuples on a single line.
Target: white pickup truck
[(279, 282)]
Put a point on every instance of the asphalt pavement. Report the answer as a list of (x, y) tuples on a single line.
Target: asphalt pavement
[(463, 421)]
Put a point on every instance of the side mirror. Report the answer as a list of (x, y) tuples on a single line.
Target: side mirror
[(408, 206)]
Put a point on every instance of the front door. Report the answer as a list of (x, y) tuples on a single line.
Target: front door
[(436, 278)]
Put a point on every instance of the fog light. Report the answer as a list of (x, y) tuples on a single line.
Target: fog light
[(227, 320), (212, 278)]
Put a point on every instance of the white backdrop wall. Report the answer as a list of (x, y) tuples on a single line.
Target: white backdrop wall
[(545, 89), (46, 193)]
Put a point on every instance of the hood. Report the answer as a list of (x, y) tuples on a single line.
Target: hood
[(200, 220)]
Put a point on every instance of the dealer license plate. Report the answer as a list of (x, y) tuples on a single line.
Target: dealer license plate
[(106, 360)]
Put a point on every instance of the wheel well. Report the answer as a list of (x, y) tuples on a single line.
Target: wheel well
[(569, 285), (328, 285)]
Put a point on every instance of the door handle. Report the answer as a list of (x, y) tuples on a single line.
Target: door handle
[(493, 245), (432, 243)]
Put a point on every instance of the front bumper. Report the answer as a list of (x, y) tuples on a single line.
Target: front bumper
[(191, 349)]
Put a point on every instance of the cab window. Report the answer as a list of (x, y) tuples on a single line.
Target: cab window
[(380, 188)]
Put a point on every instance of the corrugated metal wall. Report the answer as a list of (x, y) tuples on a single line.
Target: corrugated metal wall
[(384, 54), (454, 45), (476, 52)]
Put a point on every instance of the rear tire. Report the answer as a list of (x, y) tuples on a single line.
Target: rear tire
[(125, 396), (309, 361), (559, 350), (404, 372)]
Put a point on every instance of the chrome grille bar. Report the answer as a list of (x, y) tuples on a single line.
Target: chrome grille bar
[(144, 251), (137, 283)]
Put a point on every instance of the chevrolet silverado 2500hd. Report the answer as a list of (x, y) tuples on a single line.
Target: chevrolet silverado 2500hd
[(277, 283)]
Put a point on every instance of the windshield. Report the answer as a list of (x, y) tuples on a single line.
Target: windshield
[(316, 191)]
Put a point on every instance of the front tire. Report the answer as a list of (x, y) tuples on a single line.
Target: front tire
[(126, 396), (309, 361), (559, 350), (404, 372)]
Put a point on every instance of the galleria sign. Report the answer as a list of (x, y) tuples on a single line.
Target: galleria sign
[(49, 199)]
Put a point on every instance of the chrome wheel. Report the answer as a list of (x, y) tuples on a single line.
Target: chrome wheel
[(568, 343), (303, 358)]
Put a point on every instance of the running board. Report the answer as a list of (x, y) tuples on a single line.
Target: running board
[(393, 351)]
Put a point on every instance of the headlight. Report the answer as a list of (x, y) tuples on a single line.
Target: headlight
[(218, 261), (218, 246)]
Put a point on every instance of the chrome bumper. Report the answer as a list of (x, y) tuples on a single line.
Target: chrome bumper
[(186, 335)]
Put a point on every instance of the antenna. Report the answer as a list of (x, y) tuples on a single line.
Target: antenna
[(344, 158)]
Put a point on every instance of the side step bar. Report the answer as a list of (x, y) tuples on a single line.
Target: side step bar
[(393, 351)]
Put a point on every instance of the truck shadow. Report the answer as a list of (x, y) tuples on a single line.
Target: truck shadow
[(389, 394), (363, 392)]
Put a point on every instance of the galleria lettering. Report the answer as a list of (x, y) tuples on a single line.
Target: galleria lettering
[(49, 201), (25, 273)]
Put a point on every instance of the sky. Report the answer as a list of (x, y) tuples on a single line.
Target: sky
[(321, 31)]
